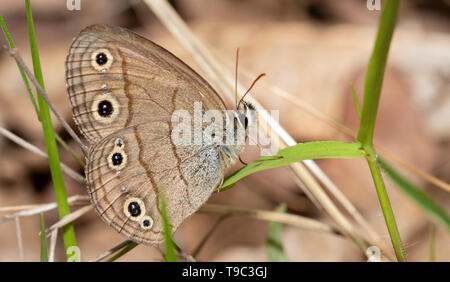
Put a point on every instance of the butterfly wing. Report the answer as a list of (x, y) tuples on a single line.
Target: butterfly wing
[(124, 89), (148, 165)]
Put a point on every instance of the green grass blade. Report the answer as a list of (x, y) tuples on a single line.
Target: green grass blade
[(22, 73), (123, 251), (372, 92), (44, 254), (170, 246), (375, 71), (49, 134), (297, 153), (417, 195), (274, 245)]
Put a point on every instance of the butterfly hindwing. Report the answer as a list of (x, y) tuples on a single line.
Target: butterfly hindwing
[(129, 168)]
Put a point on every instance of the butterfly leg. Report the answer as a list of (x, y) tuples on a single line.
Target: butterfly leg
[(222, 167)]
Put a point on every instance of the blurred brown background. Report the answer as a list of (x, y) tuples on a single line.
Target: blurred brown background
[(312, 49)]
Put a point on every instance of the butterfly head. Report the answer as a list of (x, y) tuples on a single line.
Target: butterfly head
[(246, 114)]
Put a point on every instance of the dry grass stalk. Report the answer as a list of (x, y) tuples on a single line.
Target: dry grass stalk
[(28, 146), (218, 76), (19, 239)]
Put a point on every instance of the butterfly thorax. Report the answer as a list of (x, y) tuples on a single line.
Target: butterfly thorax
[(240, 120)]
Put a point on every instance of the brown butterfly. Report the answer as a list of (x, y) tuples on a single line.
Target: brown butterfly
[(124, 91)]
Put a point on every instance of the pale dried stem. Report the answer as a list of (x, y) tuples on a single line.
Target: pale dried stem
[(342, 128), (28, 146), (373, 237), (19, 239), (53, 237), (291, 219), (29, 210), (15, 54), (294, 220), (70, 218), (224, 83)]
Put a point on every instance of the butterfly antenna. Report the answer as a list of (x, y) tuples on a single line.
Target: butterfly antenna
[(250, 88)]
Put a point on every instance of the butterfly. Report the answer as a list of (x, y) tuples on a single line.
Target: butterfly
[(127, 94)]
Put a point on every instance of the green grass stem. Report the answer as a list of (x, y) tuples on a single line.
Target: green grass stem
[(372, 92), (49, 134)]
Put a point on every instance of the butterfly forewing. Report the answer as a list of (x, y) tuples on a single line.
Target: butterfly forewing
[(137, 78)]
